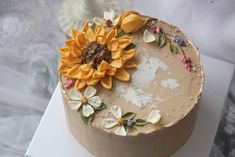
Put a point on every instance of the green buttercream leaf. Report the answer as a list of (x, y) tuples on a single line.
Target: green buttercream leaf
[(131, 128), (130, 46), (121, 33), (93, 26), (140, 122), (129, 115), (173, 49), (161, 41), (103, 106)]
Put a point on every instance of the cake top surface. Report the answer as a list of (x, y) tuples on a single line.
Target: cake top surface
[(130, 74)]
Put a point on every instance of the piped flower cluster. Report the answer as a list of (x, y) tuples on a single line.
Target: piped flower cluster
[(126, 123), (97, 55), (101, 50), (155, 33)]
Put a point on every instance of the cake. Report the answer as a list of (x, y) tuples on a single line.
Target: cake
[(131, 85)]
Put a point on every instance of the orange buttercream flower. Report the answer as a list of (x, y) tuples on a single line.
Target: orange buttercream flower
[(98, 55), (131, 21)]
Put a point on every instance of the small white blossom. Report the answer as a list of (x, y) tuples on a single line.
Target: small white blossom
[(117, 122), (88, 101), (108, 16)]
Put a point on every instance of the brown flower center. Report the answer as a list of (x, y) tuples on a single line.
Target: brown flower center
[(109, 23), (94, 53)]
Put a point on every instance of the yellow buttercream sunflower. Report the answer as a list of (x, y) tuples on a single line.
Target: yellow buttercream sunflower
[(96, 55)]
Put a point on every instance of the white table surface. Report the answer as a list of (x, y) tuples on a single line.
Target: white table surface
[(53, 139)]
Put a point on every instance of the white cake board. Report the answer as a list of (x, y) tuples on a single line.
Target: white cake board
[(53, 139)]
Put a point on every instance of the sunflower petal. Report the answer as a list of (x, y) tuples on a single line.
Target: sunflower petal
[(73, 33), (125, 41), (71, 60), (89, 74), (92, 81), (111, 35), (76, 50), (98, 74), (69, 43), (103, 66), (85, 75), (85, 67), (85, 71), (81, 39), (63, 68), (100, 40), (116, 53), (122, 75), (117, 63), (85, 27), (80, 84), (64, 51), (90, 35), (73, 72), (100, 31), (113, 44), (106, 82), (129, 54), (129, 64), (111, 71)]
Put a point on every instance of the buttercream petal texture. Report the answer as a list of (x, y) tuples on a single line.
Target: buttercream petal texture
[(75, 94), (87, 110), (109, 123), (95, 101), (121, 131), (89, 92), (74, 105), (154, 117), (116, 111)]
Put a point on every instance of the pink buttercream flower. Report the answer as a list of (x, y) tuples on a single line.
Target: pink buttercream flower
[(187, 62), (156, 29), (69, 83)]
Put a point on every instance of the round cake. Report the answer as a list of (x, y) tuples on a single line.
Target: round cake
[(131, 85)]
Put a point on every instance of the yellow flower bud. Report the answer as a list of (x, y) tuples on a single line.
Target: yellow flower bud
[(131, 21)]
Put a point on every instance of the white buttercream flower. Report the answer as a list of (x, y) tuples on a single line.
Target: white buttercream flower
[(154, 117), (118, 121), (148, 37), (89, 102), (109, 18)]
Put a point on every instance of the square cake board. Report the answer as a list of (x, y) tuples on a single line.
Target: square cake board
[(53, 139)]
